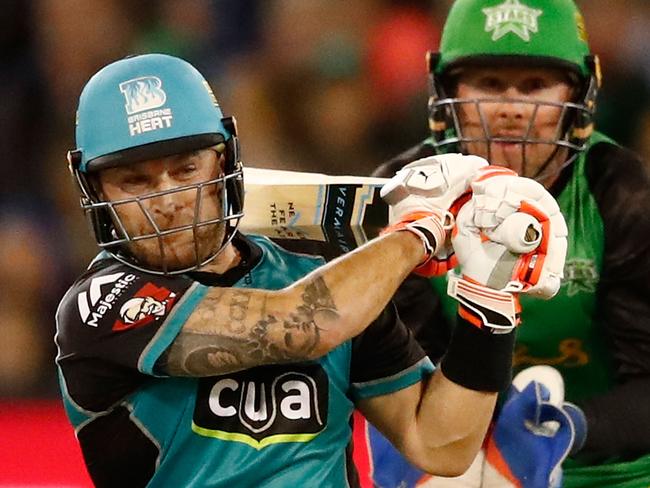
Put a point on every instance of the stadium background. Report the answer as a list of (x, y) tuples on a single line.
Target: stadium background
[(316, 85)]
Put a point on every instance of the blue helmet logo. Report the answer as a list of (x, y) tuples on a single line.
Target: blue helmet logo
[(143, 93)]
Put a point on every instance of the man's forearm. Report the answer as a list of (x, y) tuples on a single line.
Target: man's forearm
[(234, 329), (455, 419), (457, 405), (438, 425)]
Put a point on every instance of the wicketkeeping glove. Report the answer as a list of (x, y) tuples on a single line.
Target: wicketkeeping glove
[(535, 430), (510, 238), (424, 197)]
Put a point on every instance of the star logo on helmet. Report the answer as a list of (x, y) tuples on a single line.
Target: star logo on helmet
[(511, 16)]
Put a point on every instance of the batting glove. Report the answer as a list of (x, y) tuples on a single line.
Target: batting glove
[(510, 238), (424, 197)]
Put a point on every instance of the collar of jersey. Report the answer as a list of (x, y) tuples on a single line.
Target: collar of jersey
[(250, 253)]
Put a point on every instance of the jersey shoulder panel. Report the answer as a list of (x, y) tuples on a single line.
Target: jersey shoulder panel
[(111, 296), (614, 171), (288, 248), (619, 181), (112, 319)]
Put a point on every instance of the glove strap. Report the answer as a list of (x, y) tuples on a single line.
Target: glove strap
[(427, 226), (486, 308)]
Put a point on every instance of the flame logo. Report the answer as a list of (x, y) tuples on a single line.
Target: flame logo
[(143, 93)]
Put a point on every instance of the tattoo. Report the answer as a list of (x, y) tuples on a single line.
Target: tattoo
[(238, 311), (269, 340), (315, 299), (191, 354)]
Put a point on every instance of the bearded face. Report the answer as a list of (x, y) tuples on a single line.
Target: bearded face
[(170, 208)]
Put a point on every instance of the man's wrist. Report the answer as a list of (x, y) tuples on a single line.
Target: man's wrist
[(410, 245), (426, 226)]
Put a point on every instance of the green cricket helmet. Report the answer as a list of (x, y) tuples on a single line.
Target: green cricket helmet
[(539, 33), (146, 107)]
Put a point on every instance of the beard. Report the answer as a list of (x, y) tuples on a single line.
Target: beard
[(180, 249), (173, 232), (180, 244)]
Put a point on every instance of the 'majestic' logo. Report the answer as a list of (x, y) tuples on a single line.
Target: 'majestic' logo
[(95, 302)]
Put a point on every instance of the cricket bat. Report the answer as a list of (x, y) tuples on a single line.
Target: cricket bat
[(339, 212)]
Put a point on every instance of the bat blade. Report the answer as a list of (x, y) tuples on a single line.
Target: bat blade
[(342, 211)]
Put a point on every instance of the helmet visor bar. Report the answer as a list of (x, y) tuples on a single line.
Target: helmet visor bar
[(120, 230), (203, 222), (453, 108)]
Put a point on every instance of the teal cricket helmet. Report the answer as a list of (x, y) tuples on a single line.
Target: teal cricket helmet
[(539, 33), (146, 107), (143, 107)]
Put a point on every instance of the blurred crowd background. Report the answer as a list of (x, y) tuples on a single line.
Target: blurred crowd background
[(334, 86)]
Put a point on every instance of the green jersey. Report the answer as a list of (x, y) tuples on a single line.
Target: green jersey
[(596, 330)]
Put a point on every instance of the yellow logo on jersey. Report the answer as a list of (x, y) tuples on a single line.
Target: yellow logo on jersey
[(570, 354)]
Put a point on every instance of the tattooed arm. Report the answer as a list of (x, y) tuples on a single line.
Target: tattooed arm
[(234, 329)]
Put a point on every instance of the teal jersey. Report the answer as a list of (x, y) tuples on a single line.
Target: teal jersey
[(270, 426)]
